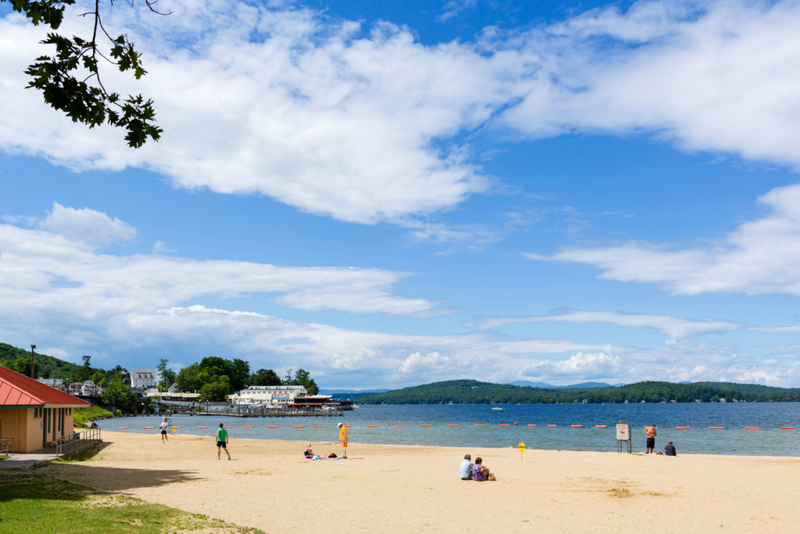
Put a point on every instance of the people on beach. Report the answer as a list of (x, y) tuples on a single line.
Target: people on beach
[(650, 431), (163, 426), (222, 441), (669, 450), (465, 470), (343, 439), (481, 473)]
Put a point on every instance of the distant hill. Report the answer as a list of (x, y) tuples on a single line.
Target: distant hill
[(350, 394), (475, 392), (542, 385), (48, 366)]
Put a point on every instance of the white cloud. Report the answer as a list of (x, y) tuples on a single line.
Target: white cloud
[(159, 247), (677, 328), (86, 226), (583, 365), (757, 257), (360, 124)]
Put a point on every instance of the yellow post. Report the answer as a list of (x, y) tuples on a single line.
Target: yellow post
[(521, 450)]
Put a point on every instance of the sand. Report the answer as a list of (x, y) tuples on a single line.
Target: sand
[(389, 488)]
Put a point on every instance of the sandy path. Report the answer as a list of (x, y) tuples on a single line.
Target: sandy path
[(387, 488)]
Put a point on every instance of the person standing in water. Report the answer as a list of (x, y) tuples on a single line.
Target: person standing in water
[(222, 442), (650, 431), (343, 439), (163, 426)]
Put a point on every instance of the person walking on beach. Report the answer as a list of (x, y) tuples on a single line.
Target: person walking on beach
[(222, 442), (651, 438), (343, 439), (163, 426)]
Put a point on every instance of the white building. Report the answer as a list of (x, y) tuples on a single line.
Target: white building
[(89, 388), (143, 378), (57, 383), (268, 394)]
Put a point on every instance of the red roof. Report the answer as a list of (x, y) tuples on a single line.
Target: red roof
[(20, 390)]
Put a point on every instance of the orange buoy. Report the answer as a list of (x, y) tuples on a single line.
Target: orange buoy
[(297, 426), (348, 426), (149, 427), (372, 426), (577, 426), (227, 427), (531, 424), (247, 427), (552, 425), (682, 427), (202, 427), (452, 425), (425, 425), (399, 426), (267, 427), (478, 424), (786, 428), (178, 427), (122, 428), (751, 428), (315, 426), (601, 426), (505, 424), (717, 427)]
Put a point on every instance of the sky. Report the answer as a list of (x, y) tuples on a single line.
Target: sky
[(395, 193)]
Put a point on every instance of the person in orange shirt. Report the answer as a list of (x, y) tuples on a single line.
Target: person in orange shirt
[(343, 439), (650, 431)]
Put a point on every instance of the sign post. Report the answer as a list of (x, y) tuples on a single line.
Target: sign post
[(521, 450), (623, 436)]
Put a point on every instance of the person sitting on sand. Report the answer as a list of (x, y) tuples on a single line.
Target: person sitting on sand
[(669, 450), (309, 454), (480, 472), (465, 471)]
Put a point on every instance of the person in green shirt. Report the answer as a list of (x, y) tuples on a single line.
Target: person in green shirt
[(222, 441)]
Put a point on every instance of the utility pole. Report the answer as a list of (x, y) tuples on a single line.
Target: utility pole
[(32, 347)]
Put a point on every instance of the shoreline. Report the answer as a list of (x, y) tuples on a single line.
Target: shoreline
[(407, 488)]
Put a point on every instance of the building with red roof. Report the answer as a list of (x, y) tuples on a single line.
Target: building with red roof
[(34, 414)]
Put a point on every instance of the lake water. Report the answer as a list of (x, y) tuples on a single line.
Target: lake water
[(699, 439)]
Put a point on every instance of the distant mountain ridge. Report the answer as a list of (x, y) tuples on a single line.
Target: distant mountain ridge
[(582, 385), (475, 392)]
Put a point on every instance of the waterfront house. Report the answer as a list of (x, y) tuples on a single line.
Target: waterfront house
[(32, 413), (143, 378), (57, 383), (268, 394)]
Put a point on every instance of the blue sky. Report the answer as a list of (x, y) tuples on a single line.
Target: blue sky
[(389, 194)]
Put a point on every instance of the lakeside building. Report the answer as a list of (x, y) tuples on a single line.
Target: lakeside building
[(143, 378), (32, 413), (268, 395), (57, 383)]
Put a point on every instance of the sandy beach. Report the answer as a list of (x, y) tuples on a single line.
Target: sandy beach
[(388, 488)]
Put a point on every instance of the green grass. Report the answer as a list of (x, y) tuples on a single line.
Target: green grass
[(82, 456), (35, 502), (82, 415)]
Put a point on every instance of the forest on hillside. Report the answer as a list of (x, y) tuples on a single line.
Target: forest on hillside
[(474, 392)]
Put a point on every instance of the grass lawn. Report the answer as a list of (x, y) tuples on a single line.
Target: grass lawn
[(35, 502), (86, 414)]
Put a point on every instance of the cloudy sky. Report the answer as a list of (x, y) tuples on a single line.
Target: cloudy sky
[(389, 194)]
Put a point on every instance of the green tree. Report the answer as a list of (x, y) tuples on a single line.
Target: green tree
[(187, 378), (119, 394), (62, 78), (23, 366), (217, 390), (239, 374), (265, 377), (303, 378), (167, 375)]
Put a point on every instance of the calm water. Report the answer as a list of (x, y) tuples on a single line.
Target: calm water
[(768, 440)]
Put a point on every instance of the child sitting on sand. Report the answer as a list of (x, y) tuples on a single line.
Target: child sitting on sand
[(480, 472)]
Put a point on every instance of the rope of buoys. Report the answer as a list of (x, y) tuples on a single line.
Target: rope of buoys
[(478, 424), (399, 426), (505, 424), (149, 427), (577, 426), (297, 426), (452, 425), (786, 428), (717, 427), (247, 427), (601, 426), (202, 427), (683, 427), (122, 428), (372, 426), (531, 424), (751, 428), (267, 427), (426, 425), (552, 425)]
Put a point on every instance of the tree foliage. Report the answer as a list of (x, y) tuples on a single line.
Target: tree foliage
[(119, 394), (70, 80), (265, 377), (474, 392)]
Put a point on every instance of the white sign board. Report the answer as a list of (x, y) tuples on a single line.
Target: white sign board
[(623, 432)]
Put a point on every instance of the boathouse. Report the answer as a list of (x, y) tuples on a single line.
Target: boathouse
[(32, 413)]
